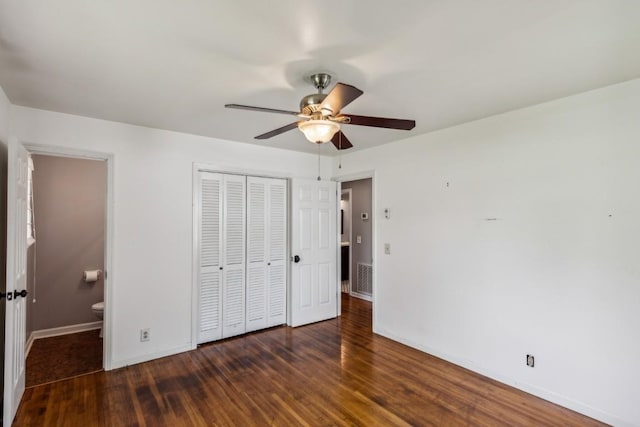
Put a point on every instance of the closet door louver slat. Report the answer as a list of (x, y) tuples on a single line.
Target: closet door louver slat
[(277, 278), (257, 217), (234, 220), (210, 302), (256, 307), (233, 311), (209, 247), (210, 220), (278, 220), (277, 295)]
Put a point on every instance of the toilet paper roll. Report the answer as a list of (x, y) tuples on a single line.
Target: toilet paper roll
[(91, 276)]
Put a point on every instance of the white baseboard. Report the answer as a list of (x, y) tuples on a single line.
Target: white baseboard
[(148, 357), (361, 296), (28, 344), (65, 330), (548, 395)]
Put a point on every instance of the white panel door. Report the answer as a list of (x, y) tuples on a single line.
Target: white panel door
[(277, 249), (233, 273), (313, 273), (209, 256), (257, 252), (14, 373)]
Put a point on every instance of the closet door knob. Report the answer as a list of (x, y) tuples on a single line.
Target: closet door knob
[(296, 259)]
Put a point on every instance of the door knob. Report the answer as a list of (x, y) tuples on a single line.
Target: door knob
[(23, 293), (296, 259)]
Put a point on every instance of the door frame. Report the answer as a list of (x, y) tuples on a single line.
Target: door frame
[(348, 191), (222, 169), (109, 312), (374, 232)]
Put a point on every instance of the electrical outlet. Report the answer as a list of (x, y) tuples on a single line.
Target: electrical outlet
[(530, 360), (145, 335)]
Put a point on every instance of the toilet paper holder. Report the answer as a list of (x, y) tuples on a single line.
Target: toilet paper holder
[(91, 276)]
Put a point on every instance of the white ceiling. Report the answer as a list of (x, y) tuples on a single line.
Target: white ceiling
[(173, 65)]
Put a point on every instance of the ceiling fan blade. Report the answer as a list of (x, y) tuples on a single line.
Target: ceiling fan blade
[(340, 96), (381, 122), (340, 141), (262, 109), (278, 131)]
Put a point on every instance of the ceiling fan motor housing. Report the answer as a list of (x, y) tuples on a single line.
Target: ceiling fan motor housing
[(310, 104)]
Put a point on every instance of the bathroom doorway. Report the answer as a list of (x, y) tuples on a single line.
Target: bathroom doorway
[(66, 264)]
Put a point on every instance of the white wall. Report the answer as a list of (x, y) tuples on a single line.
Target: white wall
[(152, 275), (520, 234)]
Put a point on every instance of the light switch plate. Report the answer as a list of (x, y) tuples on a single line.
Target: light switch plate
[(387, 248), (358, 239)]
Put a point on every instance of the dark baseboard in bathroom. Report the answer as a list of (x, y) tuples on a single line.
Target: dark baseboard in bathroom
[(62, 357)]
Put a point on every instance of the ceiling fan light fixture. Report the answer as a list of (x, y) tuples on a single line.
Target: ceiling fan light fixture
[(319, 131)]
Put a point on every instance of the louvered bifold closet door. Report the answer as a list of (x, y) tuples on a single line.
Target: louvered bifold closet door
[(257, 228), (277, 252), (209, 255), (233, 273)]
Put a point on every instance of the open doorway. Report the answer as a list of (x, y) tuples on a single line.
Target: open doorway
[(356, 205), (65, 268), (345, 240)]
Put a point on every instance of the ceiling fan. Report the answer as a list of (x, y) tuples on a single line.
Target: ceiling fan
[(321, 116)]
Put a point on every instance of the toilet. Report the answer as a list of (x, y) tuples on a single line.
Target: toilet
[(98, 310)]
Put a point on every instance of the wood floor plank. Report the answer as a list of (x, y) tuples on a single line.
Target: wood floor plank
[(333, 373)]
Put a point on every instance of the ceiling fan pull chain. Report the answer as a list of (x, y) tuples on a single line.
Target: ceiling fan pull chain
[(319, 179), (339, 149)]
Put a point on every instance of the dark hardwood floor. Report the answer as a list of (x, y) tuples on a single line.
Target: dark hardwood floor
[(329, 373)]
